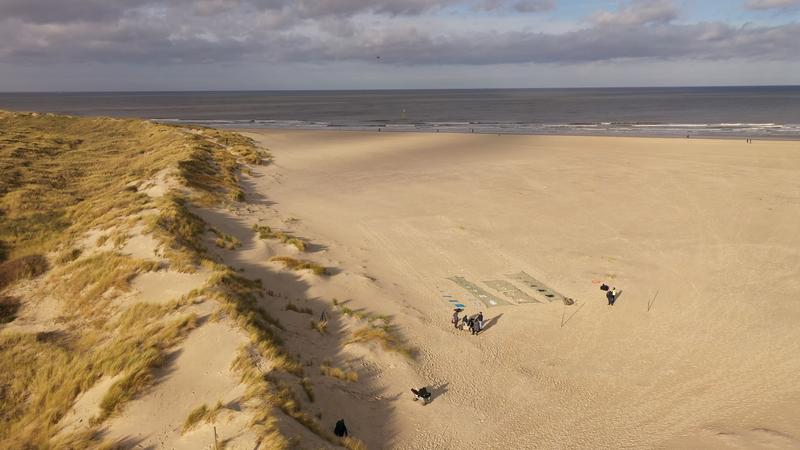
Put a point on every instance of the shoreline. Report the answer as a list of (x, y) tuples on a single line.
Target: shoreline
[(257, 129)]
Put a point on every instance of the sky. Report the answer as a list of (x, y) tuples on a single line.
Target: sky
[(134, 45)]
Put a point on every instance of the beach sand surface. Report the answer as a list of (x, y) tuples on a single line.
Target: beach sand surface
[(701, 350)]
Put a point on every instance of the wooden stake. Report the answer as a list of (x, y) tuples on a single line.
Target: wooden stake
[(650, 303), (216, 447)]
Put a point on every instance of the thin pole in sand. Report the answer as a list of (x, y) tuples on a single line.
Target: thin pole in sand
[(650, 303), (216, 446), (564, 322)]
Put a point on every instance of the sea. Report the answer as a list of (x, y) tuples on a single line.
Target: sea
[(736, 112)]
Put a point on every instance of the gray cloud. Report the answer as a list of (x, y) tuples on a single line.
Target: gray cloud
[(772, 4), (219, 31)]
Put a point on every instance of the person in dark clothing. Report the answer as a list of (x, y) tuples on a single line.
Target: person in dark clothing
[(479, 319), (455, 318), (471, 324), (422, 393), (340, 429), (465, 322), (611, 296), (475, 328)]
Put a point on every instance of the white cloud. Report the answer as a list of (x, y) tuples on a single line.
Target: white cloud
[(639, 12)]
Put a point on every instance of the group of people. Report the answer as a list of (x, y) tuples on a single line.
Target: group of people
[(473, 323)]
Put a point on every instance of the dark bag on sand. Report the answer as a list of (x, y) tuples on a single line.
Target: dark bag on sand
[(604, 287)]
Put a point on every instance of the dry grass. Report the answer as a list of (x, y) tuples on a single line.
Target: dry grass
[(305, 383), (87, 284), (66, 176), (304, 310), (353, 444), (202, 413), (265, 232), (226, 241), (335, 372), (296, 264), (41, 374), (8, 309), (321, 326), (386, 335), (20, 268), (179, 231)]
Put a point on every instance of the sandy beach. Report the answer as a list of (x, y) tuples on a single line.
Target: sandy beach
[(701, 349)]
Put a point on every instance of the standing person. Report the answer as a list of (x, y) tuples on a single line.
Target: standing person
[(611, 296), (455, 319), (465, 322), (480, 320), (471, 325), (340, 429), (476, 327)]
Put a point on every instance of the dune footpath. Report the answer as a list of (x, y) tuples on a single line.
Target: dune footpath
[(701, 349)]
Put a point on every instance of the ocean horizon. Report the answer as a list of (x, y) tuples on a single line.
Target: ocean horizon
[(724, 111)]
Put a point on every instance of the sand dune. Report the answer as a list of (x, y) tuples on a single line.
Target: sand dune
[(701, 349)]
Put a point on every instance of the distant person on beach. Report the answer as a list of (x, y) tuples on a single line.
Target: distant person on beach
[(611, 296), (455, 320), (465, 322), (340, 429), (480, 320), (422, 393), (475, 328)]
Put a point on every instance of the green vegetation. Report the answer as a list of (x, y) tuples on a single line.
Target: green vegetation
[(265, 232), (296, 264)]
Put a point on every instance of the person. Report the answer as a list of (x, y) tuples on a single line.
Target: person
[(480, 320), (422, 393), (611, 296), (475, 328), (455, 318), (471, 324), (340, 429), (465, 322)]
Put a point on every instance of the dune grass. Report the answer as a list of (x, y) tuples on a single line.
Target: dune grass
[(202, 413), (305, 383), (386, 335), (9, 306), (335, 372), (66, 176), (297, 264), (265, 232), (302, 310), (321, 326), (41, 374), (21, 268)]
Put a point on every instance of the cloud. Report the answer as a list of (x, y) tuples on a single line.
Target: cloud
[(639, 13), (525, 6), (771, 4), (143, 32)]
